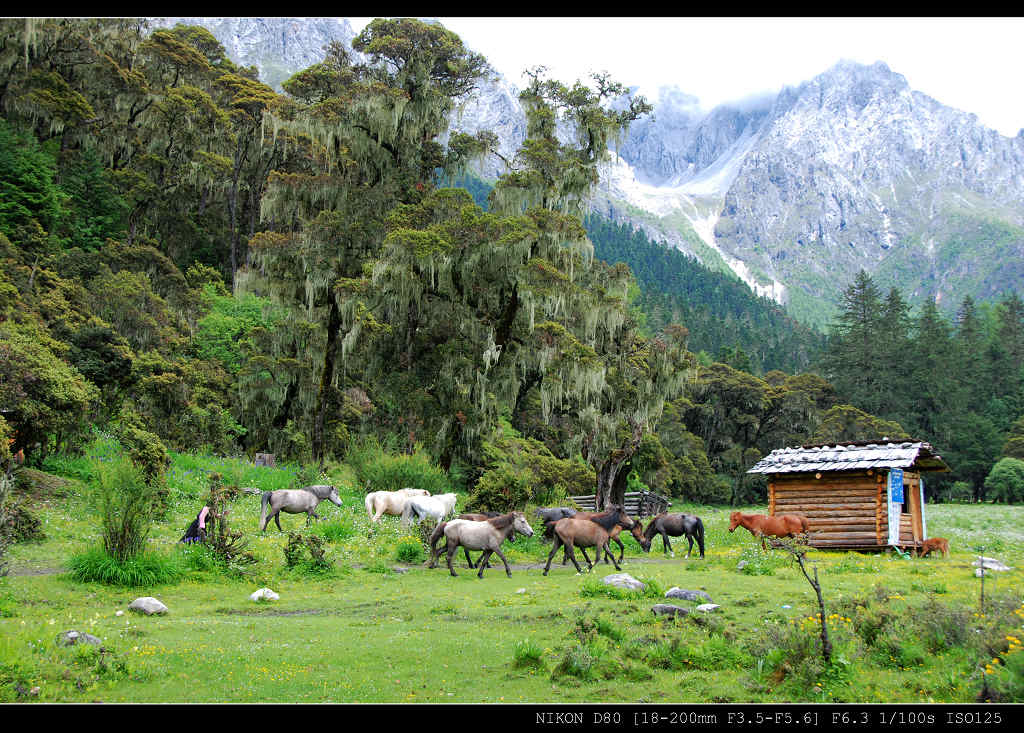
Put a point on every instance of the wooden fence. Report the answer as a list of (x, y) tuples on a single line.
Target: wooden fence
[(637, 503)]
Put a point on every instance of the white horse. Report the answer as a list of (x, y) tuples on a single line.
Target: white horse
[(379, 503), (435, 507), (486, 535)]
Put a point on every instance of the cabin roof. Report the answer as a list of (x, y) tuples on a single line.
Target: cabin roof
[(851, 456)]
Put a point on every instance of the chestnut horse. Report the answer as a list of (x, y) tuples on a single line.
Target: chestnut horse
[(613, 536), (593, 532), (935, 544), (760, 525)]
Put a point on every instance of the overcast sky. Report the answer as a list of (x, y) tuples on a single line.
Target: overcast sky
[(973, 64)]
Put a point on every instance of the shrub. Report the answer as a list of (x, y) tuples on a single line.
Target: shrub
[(141, 569), (306, 554), (383, 471), (409, 550), (500, 489), (760, 562), (126, 503), (22, 525), (1005, 681), (576, 662), (1005, 482)]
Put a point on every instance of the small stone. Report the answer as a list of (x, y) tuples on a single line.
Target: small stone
[(741, 564), (990, 563), (623, 580), (687, 595), (119, 613), (147, 605), (70, 638), (664, 609), (400, 570), (520, 590), (264, 594), (34, 692), (786, 605), (708, 607)]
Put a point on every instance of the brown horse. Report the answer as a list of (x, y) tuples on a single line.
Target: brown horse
[(761, 525), (935, 544), (593, 532), (613, 533)]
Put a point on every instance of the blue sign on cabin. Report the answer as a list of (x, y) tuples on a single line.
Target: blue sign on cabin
[(896, 485)]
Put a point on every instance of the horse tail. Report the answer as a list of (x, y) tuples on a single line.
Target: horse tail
[(369, 508), (264, 501), (437, 534), (700, 536), (804, 524)]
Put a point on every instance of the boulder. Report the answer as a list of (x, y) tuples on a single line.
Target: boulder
[(664, 609), (687, 595), (264, 594), (990, 563), (624, 581), (70, 638), (708, 607), (147, 605)]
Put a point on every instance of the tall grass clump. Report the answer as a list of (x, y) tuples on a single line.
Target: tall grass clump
[(142, 569), (380, 470)]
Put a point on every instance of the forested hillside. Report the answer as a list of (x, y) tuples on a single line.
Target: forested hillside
[(190, 260)]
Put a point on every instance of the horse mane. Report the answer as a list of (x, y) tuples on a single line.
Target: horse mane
[(502, 521), (608, 518), (650, 529)]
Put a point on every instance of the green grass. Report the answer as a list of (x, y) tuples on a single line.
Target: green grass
[(369, 634)]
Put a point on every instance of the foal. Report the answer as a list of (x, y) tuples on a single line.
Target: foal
[(674, 525)]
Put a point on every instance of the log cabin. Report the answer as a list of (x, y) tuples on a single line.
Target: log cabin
[(861, 495)]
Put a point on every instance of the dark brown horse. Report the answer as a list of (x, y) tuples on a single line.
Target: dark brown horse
[(674, 525), (593, 532), (613, 536), (761, 525)]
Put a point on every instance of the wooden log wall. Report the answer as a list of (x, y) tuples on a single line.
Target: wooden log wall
[(843, 510)]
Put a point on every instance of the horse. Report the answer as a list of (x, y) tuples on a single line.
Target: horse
[(486, 535), (438, 533), (674, 525), (613, 535), (295, 501), (435, 507), (379, 503), (781, 525), (592, 532), (935, 544)]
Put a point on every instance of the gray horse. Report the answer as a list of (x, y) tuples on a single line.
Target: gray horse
[(295, 501)]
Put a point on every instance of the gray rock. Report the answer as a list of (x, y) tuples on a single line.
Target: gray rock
[(147, 605), (664, 609), (990, 563), (741, 564), (624, 581), (687, 595), (264, 594), (70, 638), (400, 570), (708, 607)]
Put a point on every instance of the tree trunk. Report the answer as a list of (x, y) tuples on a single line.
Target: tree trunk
[(611, 478), (326, 377)]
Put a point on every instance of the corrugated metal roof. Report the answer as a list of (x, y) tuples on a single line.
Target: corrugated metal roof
[(851, 456)]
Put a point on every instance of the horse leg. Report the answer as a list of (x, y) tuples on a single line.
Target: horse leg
[(555, 545), (486, 554), (587, 557), (508, 570), (666, 546), (277, 520), (622, 550), (572, 556), (689, 538), (451, 553), (607, 552), (469, 563)]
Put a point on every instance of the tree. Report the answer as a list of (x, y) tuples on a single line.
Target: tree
[(852, 356), (1005, 482)]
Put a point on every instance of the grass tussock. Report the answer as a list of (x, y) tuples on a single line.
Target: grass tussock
[(144, 569)]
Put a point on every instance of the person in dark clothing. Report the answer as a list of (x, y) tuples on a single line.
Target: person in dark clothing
[(196, 531)]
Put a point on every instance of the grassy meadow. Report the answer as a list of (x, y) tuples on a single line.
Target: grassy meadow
[(377, 626)]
